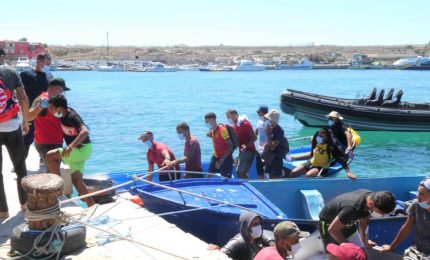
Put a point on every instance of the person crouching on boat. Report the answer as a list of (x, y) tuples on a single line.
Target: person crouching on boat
[(251, 239), (340, 134), (192, 154), (320, 157), (79, 146), (287, 242), (160, 154), (418, 216), (341, 216)]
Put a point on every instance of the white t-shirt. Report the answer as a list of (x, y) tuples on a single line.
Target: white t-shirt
[(262, 137)]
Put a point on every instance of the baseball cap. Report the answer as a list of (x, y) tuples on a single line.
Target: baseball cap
[(426, 182), (346, 251), (287, 229), (57, 81), (263, 109)]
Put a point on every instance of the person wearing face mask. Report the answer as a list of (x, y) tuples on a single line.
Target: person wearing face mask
[(246, 137), (79, 146), (260, 132), (340, 134), (320, 156), (251, 239), (275, 146), (340, 217), (35, 82), (418, 216), (47, 133), (160, 154), (287, 237), (192, 153), (222, 158)]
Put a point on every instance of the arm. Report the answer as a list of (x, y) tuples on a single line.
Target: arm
[(404, 231), (23, 102), (35, 109), (348, 141), (252, 138), (364, 222), (150, 169), (301, 157), (167, 160), (335, 230), (227, 153), (188, 155)]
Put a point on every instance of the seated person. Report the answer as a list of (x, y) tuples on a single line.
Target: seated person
[(418, 216), (320, 156), (250, 240)]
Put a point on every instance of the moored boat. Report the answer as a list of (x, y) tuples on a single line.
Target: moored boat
[(376, 112), (23, 64), (249, 65), (417, 63)]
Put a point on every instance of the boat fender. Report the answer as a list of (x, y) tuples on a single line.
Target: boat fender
[(22, 239)]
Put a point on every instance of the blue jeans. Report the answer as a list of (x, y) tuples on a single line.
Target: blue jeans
[(226, 167)]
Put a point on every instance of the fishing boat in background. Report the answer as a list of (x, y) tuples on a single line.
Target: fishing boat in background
[(159, 67), (249, 65), (374, 112), (23, 64), (417, 63), (303, 64), (111, 67)]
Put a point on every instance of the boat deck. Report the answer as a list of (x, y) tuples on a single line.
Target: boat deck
[(154, 238)]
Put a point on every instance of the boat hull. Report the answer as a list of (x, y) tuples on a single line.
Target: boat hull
[(311, 110)]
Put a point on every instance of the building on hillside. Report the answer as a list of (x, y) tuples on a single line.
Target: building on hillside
[(22, 48)]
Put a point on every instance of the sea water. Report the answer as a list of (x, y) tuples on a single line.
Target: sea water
[(118, 106)]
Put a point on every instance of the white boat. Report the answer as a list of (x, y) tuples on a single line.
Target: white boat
[(417, 63), (110, 67), (160, 67), (249, 65), (23, 64), (303, 64)]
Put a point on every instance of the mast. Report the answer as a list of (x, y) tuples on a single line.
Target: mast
[(107, 44)]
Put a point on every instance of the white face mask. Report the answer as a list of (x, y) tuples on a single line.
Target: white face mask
[(262, 118), (319, 140), (375, 214), (256, 231), (208, 125), (295, 248), (148, 144), (424, 205), (230, 121), (58, 114), (181, 136), (46, 68), (330, 122)]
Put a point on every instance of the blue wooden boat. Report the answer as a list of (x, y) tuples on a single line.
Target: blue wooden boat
[(211, 217)]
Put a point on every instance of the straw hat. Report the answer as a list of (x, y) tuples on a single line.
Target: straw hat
[(334, 114)]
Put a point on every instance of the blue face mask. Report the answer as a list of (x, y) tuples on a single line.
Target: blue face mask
[(424, 205), (319, 140), (330, 122), (148, 144), (208, 125), (58, 114), (46, 68), (181, 136)]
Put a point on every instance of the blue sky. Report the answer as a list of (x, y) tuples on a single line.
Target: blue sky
[(228, 22)]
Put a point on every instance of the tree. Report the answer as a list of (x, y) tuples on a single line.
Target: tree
[(23, 39)]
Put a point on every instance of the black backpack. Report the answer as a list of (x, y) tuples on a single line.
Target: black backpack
[(233, 136), (286, 147)]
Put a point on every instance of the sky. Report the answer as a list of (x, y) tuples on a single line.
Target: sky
[(215, 22)]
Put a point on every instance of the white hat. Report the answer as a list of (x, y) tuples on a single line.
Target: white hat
[(334, 114), (273, 116)]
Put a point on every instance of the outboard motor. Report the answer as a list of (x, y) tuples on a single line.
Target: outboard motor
[(372, 94), (378, 101), (389, 95), (394, 103)]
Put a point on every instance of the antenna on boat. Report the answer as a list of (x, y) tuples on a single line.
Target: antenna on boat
[(107, 44)]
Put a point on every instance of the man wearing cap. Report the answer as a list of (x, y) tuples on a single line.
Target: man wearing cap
[(340, 133), (274, 149), (418, 216), (35, 82), (260, 132), (340, 217), (79, 146), (287, 236), (246, 137), (158, 153), (47, 128), (345, 251), (11, 129)]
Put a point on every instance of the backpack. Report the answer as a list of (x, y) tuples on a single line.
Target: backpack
[(8, 108), (233, 136), (356, 138)]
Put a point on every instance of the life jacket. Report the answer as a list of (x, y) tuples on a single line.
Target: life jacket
[(321, 156), (8, 107)]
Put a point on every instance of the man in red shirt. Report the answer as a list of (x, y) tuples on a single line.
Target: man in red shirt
[(246, 136), (158, 153), (48, 134), (192, 153), (222, 159), (287, 236)]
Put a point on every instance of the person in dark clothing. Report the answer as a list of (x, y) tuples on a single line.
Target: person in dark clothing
[(340, 134), (275, 146), (339, 218), (251, 239), (35, 82)]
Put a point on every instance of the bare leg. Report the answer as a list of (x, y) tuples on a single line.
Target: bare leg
[(79, 184), (296, 172), (53, 160), (312, 173)]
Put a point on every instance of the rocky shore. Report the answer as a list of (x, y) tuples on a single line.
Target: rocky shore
[(227, 55)]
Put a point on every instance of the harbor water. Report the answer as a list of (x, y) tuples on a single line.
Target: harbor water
[(118, 106)]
